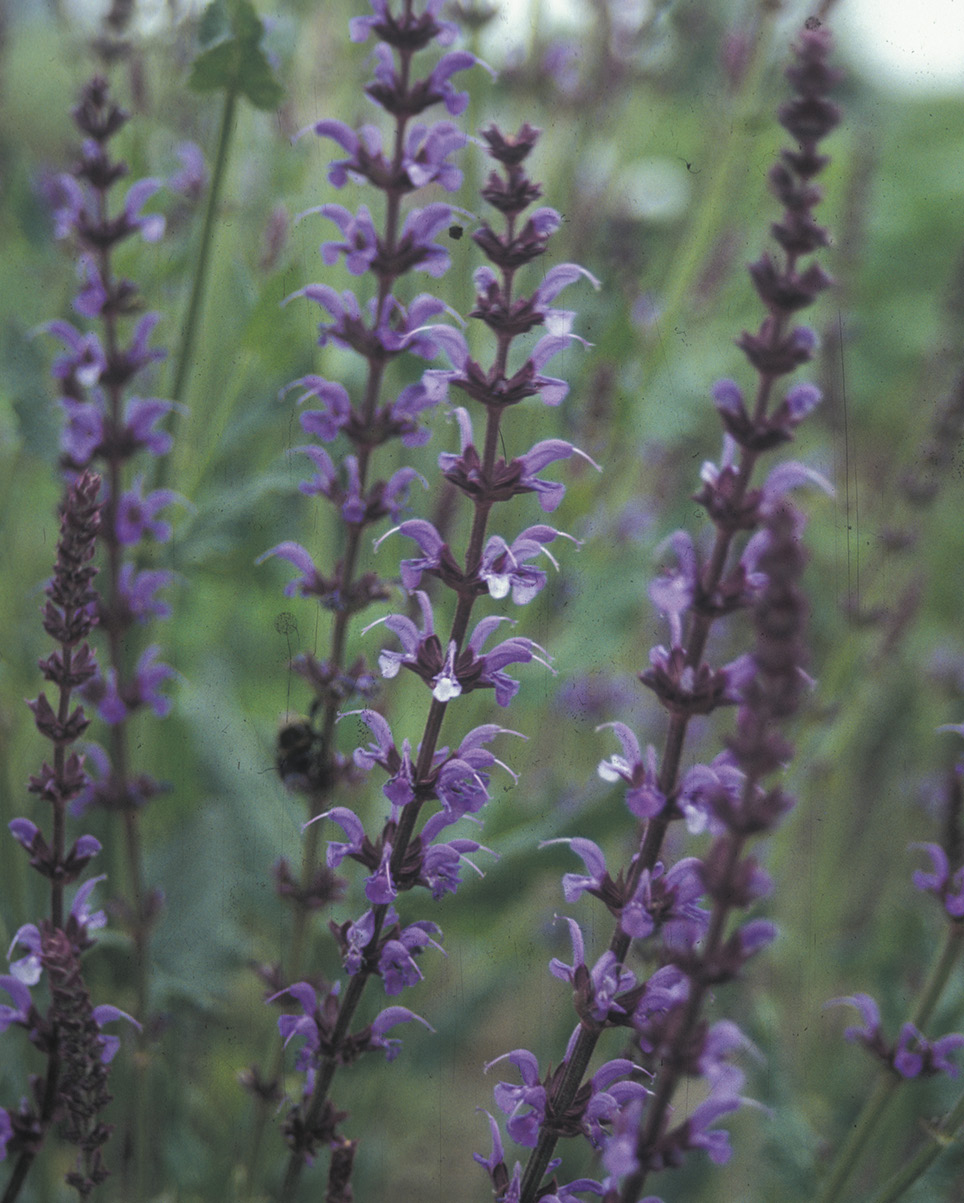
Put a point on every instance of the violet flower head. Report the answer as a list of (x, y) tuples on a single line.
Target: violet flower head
[(431, 787), (106, 424), (912, 1055), (940, 881), (752, 561)]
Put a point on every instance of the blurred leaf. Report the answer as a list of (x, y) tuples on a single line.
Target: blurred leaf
[(238, 64)]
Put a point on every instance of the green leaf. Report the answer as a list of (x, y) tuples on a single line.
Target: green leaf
[(215, 23), (237, 63)]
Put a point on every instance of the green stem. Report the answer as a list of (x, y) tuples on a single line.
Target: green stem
[(189, 327), (717, 205), (876, 1105), (940, 1138)]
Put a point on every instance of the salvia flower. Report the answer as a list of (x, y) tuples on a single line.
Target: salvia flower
[(912, 1055), (948, 887), (430, 787), (69, 1033), (752, 562)]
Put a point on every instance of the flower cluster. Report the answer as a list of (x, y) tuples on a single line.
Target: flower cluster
[(107, 423), (685, 910), (381, 330), (69, 1034), (430, 787), (348, 432), (912, 1055)]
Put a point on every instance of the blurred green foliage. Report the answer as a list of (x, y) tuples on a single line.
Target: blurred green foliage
[(632, 150)]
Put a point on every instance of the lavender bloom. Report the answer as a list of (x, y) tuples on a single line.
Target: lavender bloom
[(424, 159), (502, 567), (20, 1012), (940, 881), (451, 673), (525, 1105), (396, 963), (411, 30), (408, 851), (912, 1055), (507, 479), (363, 251), (729, 797), (596, 988), (644, 798), (505, 1188), (107, 423), (191, 179), (80, 923), (315, 1026), (69, 1034), (102, 423)]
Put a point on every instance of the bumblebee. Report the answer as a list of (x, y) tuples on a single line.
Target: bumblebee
[(297, 754)]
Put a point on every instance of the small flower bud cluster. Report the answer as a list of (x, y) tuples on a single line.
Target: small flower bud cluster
[(684, 910), (69, 1033)]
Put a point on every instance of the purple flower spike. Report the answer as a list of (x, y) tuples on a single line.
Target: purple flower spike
[(426, 155), (380, 889), (192, 177), (937, 878), (416, 248), (352, 826), (424, 160), (27, 969), (24, 832), (440, 85), (396, 961), (915, 1056), (85, 362), (310, 582), (138, 590), (115, 702), (433, 548), (497, 1155), (441, 862), (151, 227)]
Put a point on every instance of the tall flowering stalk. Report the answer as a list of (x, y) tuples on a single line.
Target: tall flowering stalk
[(912, 1055), (697, 948), (73, 1090), (429, 787), (383, 330), (108, 424)]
